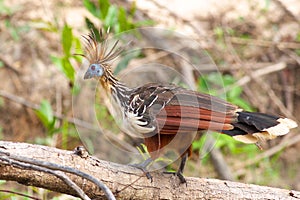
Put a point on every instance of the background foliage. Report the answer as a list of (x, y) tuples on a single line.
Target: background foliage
[(38, 64)]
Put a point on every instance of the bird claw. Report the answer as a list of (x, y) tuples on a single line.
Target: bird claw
[(143, 166), (179, 175)]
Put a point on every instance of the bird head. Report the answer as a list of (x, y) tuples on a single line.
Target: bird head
[(99, 55), (95, 70)]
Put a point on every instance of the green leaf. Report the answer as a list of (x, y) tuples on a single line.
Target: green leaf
[(144, 23), (235, 92), (199, 144), (92, 27), (57, 62), (122, 20), (5, 10), (132, 9), (91, 7), (12, 30), (242, 103), (68, 69), (67, 38), (219, 32), (228, 79), (45, 114), (104, 7), (64, 65), (111, 17)]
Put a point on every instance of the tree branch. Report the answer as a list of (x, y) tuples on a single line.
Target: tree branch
[(124, 181)]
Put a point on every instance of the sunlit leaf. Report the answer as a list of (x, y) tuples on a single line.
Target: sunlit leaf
[(91, 7), (67, 38), (68, 69), (122, 20), (45, 114), (111, 18), (64, 65), (104, 7), (235, 92)]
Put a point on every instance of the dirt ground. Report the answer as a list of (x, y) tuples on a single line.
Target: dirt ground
[(28, 73)]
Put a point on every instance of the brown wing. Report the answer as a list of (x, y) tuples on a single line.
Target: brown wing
[(191, 111)]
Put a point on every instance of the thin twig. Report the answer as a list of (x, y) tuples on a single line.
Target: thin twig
[(275, 99), (272, 95), (64, 178), (52, 166), (265, 43), (292, 54), (19, 100), (8, 65), (71, 184), (129, 185), (258, 73), (20, 194), (286, 10)]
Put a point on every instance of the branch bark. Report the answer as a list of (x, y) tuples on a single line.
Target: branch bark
[(124, 181)]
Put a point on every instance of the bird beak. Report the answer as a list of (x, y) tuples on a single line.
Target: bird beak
[(88, 74)]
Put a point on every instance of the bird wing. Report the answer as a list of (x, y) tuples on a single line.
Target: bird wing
[(172, 109), (191, 111)]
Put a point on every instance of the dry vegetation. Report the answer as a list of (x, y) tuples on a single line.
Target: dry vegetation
[(243, 39)]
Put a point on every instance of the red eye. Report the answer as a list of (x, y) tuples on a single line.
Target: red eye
[(93, 67)]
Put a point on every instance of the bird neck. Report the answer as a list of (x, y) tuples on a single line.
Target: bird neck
[(119, 92)]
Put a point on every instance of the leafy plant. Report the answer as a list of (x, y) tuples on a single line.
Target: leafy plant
[(8, 11), (114, 17), (68, 40), (45, 114)]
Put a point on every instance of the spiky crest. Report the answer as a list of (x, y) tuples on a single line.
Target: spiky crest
[(99, 52)]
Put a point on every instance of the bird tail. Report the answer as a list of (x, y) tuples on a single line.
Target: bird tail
[(252, 127)]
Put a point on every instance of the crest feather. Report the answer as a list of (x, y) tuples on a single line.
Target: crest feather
[(98, 51)]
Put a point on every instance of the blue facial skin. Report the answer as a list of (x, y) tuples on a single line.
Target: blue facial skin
[(94, 70)]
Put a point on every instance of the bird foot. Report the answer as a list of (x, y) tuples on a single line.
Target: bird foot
[(179, 175), (143, 166)]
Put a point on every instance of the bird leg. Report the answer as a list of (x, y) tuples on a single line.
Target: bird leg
[(143, 166), (180, 169)]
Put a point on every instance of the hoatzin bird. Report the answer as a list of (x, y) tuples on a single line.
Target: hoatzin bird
[(160, 112)]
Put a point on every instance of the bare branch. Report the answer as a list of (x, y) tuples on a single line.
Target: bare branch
[(125, 182)]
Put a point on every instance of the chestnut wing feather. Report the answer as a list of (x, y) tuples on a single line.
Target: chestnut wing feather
[(192, 111), (173, 109)]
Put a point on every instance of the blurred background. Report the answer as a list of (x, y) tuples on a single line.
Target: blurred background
[(246, 52)]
